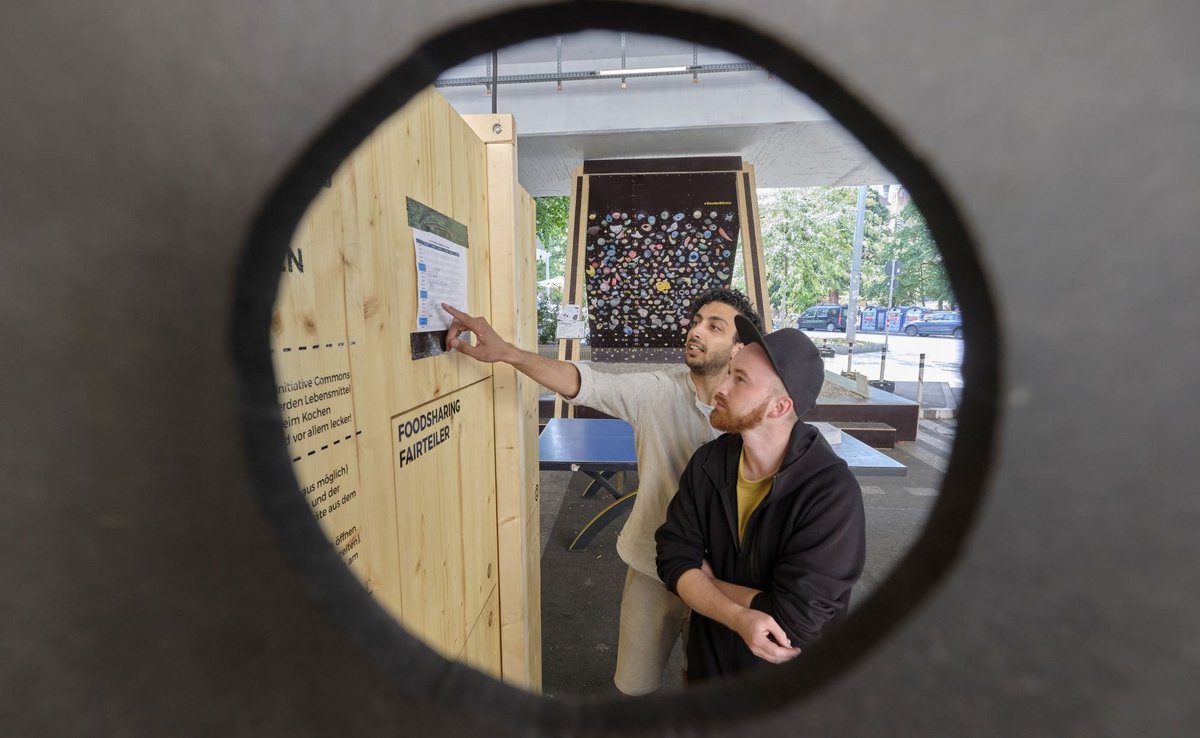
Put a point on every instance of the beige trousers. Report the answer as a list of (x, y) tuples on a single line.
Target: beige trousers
[(652, 619)]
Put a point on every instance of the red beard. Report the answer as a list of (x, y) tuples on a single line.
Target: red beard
[(724, 419)]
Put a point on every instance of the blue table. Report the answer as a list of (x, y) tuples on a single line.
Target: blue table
[(602, 448)]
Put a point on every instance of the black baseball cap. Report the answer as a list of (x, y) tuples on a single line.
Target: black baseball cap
[(793, 356)]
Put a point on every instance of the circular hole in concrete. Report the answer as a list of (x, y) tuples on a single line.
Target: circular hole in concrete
[(316, 402)]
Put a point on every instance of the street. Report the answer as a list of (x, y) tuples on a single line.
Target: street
[(943, 357)]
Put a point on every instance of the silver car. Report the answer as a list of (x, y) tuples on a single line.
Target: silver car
[(936, 324)]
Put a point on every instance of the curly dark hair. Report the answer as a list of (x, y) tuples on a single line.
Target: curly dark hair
[(733, 299)]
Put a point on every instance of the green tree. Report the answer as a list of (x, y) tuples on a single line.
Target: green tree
[(922, 274), (808, 238), (548, 302), (553, 219)]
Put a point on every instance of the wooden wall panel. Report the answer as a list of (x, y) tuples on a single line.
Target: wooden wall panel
[(411, 498), (533, 579), (524, 667), (573, 285), (310, 347), (527, 330), (513, 252), (444, 459), (365, 313), (398, 157), (482, 649), (438, 154), (753, 263), (476, 461)]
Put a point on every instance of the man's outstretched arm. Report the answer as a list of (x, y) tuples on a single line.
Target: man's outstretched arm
[(559, 376)]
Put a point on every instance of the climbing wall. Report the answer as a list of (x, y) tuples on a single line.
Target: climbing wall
[(655, 242), (650, 236)]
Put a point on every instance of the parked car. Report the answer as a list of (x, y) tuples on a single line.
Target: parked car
[(936, 324), (823, 317)]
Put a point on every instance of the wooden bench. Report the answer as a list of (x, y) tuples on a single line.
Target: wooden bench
[(875, 435)]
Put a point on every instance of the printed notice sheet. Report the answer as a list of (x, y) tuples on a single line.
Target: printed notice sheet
[(572, 322), (441, 277)]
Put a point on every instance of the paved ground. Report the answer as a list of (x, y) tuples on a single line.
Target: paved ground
[(581, 591), (943, 358)]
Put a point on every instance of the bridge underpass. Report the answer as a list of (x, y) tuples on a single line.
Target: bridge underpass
[(696, 101)]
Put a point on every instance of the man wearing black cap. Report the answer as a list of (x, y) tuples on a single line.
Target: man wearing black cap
[(765, 537)]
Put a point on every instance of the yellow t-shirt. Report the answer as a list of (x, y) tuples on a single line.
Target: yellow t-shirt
[(750, 493)]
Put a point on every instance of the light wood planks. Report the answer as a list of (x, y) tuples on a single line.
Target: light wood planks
[(753, 262), (514, 315), (443, 453), (411, 498), (574, 289), (482, 649), (310, 348)]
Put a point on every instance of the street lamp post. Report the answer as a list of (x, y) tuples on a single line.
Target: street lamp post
[(855, 269), (893, 269)]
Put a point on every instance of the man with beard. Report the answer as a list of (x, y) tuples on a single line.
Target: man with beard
[(669, 414), (765, 537)]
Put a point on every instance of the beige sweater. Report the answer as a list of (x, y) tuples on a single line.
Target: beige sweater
[(668, 427)]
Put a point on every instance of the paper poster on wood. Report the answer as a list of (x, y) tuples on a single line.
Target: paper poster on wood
[(441, 278)]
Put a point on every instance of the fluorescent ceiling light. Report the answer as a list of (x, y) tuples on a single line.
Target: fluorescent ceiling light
[(641, 70)]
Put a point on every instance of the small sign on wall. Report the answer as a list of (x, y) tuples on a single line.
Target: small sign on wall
[(441, 277), (572, 322), (440, 243)]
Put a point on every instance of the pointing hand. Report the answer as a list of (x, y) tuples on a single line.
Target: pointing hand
[(488, 347)]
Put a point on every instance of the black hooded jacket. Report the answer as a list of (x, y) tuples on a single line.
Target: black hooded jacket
[(804, 545)]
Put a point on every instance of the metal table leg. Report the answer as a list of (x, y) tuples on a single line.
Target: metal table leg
[(600, 481), (603, 518)]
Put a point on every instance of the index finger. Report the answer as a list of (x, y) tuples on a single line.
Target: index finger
[(457, 314), (457, 326)]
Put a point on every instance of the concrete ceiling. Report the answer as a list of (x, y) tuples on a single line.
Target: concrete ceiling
[(783, 154), (791, 141)]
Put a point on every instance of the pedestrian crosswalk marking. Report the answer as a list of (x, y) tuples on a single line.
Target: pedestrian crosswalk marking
[(929, 440), (943, 428), (930, 458), (918, 491)]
